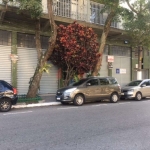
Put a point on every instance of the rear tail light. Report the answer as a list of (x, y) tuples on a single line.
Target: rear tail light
[(14, 90)]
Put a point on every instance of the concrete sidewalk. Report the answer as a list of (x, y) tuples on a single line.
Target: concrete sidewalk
[(47, 100)]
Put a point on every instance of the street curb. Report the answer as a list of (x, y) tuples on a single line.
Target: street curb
[(36, 105)]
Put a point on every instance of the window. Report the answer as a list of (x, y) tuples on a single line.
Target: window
[(147, 83), (104, 81), (63, 8), (5, 38), (93, 82), (96, 16), (26, 40), (113, 81), (121, 51), (44, 42)]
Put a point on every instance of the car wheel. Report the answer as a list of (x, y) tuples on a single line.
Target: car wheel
[(114, 98), (78, 100), (5, 105), (138, 96), (64, 103)]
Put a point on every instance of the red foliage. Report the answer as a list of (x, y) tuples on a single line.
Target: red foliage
[(76, 47)]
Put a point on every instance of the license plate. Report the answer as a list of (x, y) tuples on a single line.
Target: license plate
[(58, 98), (122, 93)]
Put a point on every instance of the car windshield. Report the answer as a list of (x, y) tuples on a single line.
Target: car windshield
[(134, 83), (79, 82)]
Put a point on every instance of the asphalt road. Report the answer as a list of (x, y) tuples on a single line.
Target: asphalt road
[(96, 126)]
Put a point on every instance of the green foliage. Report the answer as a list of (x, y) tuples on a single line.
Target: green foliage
[(34, 7), (137, 22), (76, 48), (46, 68)]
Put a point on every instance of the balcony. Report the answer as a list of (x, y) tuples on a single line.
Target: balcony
[(87, 11)]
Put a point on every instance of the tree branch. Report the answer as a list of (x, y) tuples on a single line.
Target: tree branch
[(127, 1)]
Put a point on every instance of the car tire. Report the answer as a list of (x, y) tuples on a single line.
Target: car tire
[(114, 98), (64, 103), (138, 96), (78, 100), (5, 105)]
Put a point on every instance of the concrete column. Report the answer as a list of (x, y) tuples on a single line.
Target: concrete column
[(109, 53)]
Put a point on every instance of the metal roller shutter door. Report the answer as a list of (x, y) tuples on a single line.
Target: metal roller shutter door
[(5, 63), (124, 63), (49, 82), (26, 67)]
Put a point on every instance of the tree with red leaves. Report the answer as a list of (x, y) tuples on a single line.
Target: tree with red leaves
[(76, 50)]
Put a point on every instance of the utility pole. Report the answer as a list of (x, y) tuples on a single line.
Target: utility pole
[(139, 72)]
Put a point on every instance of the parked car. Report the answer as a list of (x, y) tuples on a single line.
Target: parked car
[(137, 89), (8, 96), (90, 89)]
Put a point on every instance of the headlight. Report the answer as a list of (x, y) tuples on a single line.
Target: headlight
[(130, 91), (67, 92)]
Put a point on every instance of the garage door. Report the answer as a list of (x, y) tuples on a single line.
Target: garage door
[(5, 63), (26, 66), (5, 51), (122, 64), (121, 70)]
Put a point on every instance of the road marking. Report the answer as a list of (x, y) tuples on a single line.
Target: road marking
[(67, 108), (124, 103), (17, 113), (100, 105)]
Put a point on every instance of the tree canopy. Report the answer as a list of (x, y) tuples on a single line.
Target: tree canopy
[(137, 22), (76, 50)]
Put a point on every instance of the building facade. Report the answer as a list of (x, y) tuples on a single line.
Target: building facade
[(18, 56)]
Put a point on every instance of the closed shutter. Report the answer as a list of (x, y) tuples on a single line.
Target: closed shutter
[(49, 81), (5, 63), (104, 68), (26, 67), (121, 62)]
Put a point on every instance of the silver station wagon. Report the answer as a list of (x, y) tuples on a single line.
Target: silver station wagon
[(136, 90)]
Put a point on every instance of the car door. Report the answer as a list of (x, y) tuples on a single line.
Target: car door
[(92, 89), (104, 88), (148, 86), (146, 89)]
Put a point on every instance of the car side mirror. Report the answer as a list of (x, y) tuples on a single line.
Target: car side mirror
[(143, 85), (88, 84)]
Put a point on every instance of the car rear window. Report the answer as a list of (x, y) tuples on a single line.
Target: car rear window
[(1, 86), (7, 85)]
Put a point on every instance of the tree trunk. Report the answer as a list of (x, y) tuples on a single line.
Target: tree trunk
[(34, 85), (35, 80), (103, 41)]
